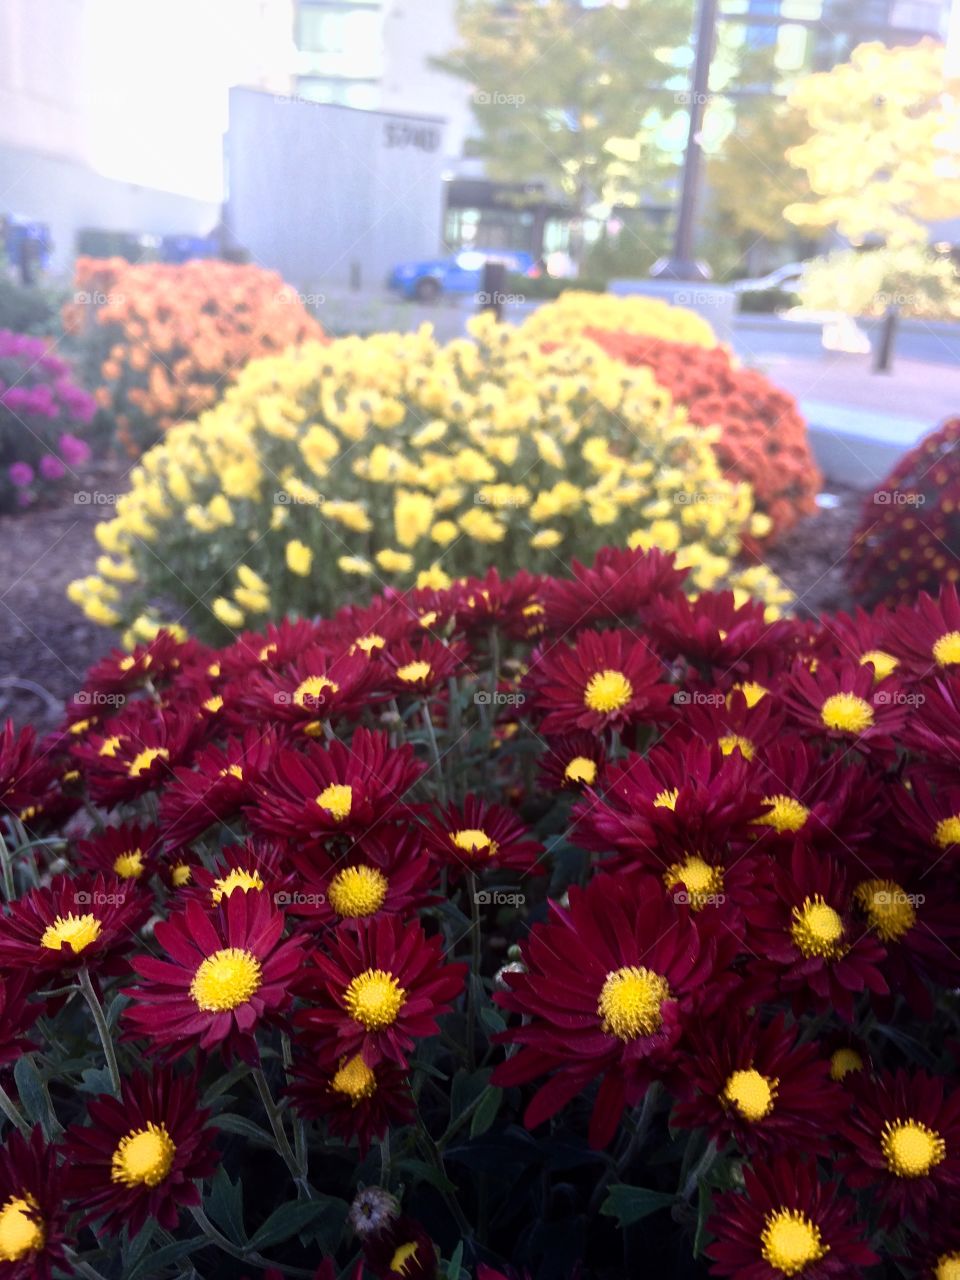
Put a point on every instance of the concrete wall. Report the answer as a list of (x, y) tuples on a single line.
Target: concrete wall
[(68, 197), (314, 188)]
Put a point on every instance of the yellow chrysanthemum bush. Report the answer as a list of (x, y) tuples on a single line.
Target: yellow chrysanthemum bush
[(336, 471), (574, 311)]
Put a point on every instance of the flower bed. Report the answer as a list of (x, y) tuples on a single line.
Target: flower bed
[(393, 460), (161, 342), (574, 311), (560, 922), (908, 539), (763, 438), (43, 415)]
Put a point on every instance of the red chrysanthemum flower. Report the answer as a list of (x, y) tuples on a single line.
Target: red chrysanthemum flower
[(142, 1154), (611, 985), (336, 789), (714, 631), (252, 867), (617, 588), (511, 605), (32, 1214), (163, 658), (925, 635), (316, 688), (368, 629), (386, 872), (788, 1223), (24, 774), (401, 1251), (842, 702), (135, 752), (478, 835), (572, 762), (864, 637), (607, 680), (72, 922), (758, 1086), (807, 939), (126, 851), (227, 972), (17, 1016), (381, 987), (905, 1132), (355, 1100), (928, 818), (936, 1258), (934, 727), (734, 721), (418, 669), (217, 786), (279, 644)]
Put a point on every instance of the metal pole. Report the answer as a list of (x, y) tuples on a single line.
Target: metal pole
[(681, 265), (888, 334)]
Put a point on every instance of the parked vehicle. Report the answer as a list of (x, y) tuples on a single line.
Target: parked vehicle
[(462, 273)]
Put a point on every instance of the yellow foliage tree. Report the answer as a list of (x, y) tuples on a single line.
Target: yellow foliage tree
[(884, 152)]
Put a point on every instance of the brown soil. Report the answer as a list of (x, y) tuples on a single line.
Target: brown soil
[(811, 559)]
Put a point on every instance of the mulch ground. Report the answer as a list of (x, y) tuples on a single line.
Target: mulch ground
[(46, 644)]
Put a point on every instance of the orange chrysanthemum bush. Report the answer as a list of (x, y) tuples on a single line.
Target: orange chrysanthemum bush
[(161, 343), (908, 539), (763, 436), (530, 926)]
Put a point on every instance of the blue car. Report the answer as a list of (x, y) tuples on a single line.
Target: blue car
[(462, 273)]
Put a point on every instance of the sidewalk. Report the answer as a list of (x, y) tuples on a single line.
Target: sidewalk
[(862, 422)]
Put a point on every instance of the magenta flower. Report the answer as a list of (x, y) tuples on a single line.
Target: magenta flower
[(21, 474)]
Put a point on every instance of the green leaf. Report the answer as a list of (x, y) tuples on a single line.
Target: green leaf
[(453, 1271), (231, 1123), (225, 1082), (95, 1080), (33, 1095), (492, 1019), (631, 1204), (225, 1206), (486, 1111), (420, 1171), (289, 1220), (467, 1086), (164, 1256), (704, 1210)]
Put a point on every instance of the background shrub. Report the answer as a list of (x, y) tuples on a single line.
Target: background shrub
[(392, 461), (763, 437), (575, 310), (43, 415), (908, 539), (160, 342)]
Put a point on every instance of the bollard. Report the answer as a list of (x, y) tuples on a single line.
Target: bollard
[(355, 276), (493, 288), (888, 337)]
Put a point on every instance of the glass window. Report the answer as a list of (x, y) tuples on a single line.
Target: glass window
[(364, 94), (340, 42), (792, 47)]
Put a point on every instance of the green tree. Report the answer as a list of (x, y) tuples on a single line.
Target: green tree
[(556, 88)]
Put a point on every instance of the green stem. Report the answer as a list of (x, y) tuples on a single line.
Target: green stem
[(12, 1111), (103, 1031), (476, 951), (275, 1117), (435, 752), (700, 1170), (434, 1156), (235, 1251), (6, 870)]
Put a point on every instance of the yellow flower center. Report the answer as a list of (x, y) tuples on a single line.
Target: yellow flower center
[(751, 1093), (910, 1149), (370, 642), (751, 690), (144, 759), (630, 1002), (213, 704), (666, 799), (232, 771), (76, 931), (411, 672), (337, 799), (109, 746), (948, 1267), (884, 664), (581, 769), (471, 840), (789, 1241), (607, 691), (702, 881), (144, 1157), (403, 1259), (947, 832), (21, 1229), (355, 1079), (129, 866), (887, 907), (180, 875), (225, 980), (237, 878), (730, 741), (843, 1061), (357, 891), (374, 998), (847, 713), (785, 814), (947, 648), (311, 690), (817, 929)]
